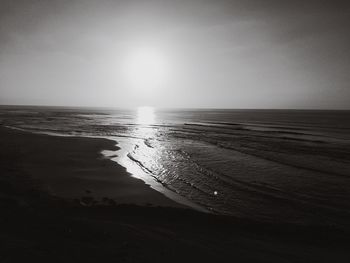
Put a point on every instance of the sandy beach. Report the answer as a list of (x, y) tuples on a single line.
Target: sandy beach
[(73, 168), (50, 189)]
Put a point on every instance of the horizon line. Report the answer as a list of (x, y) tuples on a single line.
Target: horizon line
[(168, 108)]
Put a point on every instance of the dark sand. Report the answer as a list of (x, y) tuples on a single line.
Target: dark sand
[(74, 168), (51, 211)]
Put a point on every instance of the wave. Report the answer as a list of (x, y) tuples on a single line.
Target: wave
[(263, 131)]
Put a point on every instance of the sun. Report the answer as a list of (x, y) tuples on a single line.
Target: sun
[(145, 68)]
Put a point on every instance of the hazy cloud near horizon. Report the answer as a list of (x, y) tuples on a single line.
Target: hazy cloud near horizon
[(222, 54)]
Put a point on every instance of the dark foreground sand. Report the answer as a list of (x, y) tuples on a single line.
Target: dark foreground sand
[(56, 206)]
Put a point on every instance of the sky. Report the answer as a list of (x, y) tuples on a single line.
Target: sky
[(187, 54)]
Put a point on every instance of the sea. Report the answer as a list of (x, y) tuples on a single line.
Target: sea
[(269, 165)]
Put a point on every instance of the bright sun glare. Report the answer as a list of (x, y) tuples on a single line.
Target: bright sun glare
[(145, 68), (145, 115)]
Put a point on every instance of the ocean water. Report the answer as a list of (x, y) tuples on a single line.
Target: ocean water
[(269, 165)]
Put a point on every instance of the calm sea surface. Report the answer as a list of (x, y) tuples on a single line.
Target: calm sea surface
[(271, 165)]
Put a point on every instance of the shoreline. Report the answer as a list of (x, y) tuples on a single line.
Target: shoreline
[(133, 170), (63, 172), (136, 171)]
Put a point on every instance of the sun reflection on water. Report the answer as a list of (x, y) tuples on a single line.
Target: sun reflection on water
[(145, 115), (145, 153)]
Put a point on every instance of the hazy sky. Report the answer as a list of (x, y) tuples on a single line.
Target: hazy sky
[(222, 54)]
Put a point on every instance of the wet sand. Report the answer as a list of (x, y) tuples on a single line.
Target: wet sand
[(56, 206), (74, 168)]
